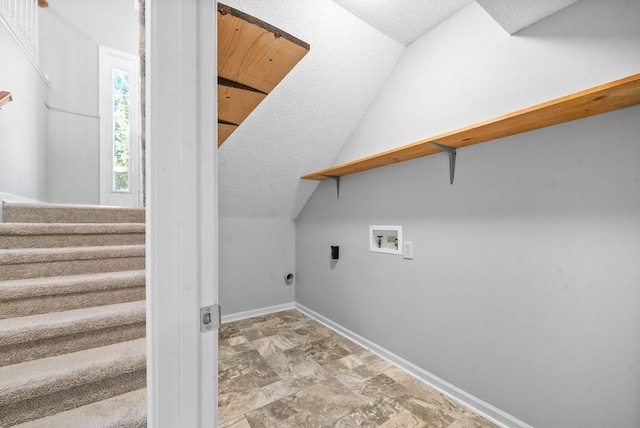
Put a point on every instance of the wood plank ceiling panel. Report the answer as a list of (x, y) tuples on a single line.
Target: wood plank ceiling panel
[(253, 57), (224, 131), (600, 99), (235, 104)]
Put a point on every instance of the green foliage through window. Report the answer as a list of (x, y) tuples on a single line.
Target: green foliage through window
[(120, 131)]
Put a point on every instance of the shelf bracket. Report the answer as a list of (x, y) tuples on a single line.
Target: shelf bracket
[(452, 158), (337, 179)]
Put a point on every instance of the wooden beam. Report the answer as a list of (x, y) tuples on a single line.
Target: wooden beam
[(600, 99)]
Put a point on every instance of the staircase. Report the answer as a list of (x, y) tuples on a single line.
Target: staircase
[(72, 316)]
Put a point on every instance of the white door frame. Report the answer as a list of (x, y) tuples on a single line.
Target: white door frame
[(181, 211), (108, 60)]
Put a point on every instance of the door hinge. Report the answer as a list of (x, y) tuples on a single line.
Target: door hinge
[(210, 318)]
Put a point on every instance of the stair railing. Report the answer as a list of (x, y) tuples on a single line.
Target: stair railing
[(21, 19)]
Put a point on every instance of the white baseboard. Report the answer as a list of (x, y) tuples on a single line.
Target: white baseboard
[(484, 409), (257, 312)]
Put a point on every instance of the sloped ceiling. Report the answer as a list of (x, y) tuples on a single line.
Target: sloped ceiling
[(306, 119), (408, 20), (514, 15), (404, 21), (304, 122)]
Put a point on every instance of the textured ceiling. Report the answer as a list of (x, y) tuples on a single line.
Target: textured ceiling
[(514, 15), (406, 20), (304, 122)]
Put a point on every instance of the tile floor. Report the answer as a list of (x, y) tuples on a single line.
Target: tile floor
[(287, 370)]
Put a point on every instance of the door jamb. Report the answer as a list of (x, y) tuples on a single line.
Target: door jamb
[(181, 211)]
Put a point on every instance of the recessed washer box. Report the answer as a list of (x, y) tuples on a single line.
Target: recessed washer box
[(385, 239)]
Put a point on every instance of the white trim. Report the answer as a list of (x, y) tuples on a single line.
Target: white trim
[(206, 90), (9, 198), (479, 406), (61, 110), (108, 60), (182, 213), (257, 312)]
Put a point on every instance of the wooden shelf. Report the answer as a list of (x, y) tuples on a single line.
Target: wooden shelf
[(600, 99), (253, 57)]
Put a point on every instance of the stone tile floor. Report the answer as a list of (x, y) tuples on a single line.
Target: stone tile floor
[(287, 370)]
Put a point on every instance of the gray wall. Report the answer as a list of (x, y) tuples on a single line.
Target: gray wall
[(254, 255), (23, 124), (71, 31), (525, 287)]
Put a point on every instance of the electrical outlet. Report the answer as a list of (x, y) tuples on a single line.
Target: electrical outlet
[(407, 250)]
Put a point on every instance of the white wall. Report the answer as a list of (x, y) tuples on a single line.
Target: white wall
[(71, 31), (254, 255), (23, 124), (524, 287), (469, 69)]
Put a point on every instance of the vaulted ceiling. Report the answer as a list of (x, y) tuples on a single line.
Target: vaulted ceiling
[(301, 126)]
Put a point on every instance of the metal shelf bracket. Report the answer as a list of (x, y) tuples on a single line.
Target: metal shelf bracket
[(337, 179), (452, 158)]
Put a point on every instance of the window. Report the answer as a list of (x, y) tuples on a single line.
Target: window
[(121, 131), (120, 169)]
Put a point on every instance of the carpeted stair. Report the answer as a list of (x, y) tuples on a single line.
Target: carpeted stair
[(72, 316)]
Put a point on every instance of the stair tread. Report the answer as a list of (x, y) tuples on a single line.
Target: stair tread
[(125, 410), (40, 255), (19, 212), (47, 286), (43, 326), (69, 228), (78, 243), (8, 204), (49, 375)]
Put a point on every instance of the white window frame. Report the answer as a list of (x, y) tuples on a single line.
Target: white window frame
[(110, 59)]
